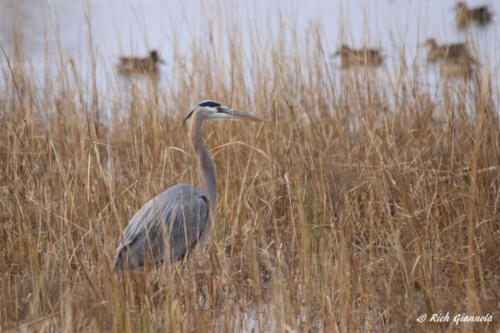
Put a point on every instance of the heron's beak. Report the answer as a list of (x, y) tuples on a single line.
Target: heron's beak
[(243, 115), (163, 62), (237, 115), (335, 54)]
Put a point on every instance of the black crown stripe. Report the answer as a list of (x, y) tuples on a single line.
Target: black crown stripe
[(210, 104)]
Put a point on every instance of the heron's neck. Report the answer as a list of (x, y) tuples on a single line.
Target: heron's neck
[(205, 164)]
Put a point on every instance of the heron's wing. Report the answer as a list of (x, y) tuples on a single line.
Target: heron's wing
[(165, 227)]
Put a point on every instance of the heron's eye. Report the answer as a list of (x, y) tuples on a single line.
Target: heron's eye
[(219, 109)]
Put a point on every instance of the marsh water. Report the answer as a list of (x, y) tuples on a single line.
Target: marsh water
[(52, 30)]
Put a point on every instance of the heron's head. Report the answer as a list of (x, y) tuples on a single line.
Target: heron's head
[(153, 54), (215, 110)]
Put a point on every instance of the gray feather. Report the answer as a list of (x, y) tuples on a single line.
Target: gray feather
[(165, 228)]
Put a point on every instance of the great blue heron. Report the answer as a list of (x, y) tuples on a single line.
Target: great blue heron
[(173, 222), (359, 57), (132, 65)]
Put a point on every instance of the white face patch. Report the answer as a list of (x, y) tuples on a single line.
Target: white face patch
[(214, 110), (220, 112)]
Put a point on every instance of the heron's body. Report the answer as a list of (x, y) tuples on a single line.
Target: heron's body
[(178, 216), (173, 222), (132, 65), (359, 57), (481, 15)]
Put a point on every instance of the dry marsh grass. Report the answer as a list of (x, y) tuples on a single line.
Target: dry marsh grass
[(357, 207)]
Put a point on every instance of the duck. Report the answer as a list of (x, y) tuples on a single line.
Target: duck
[(443, 52), (465, 15), (134, 65), (359, 57)]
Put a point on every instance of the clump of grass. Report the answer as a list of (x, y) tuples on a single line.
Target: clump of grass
[(356, 207)]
